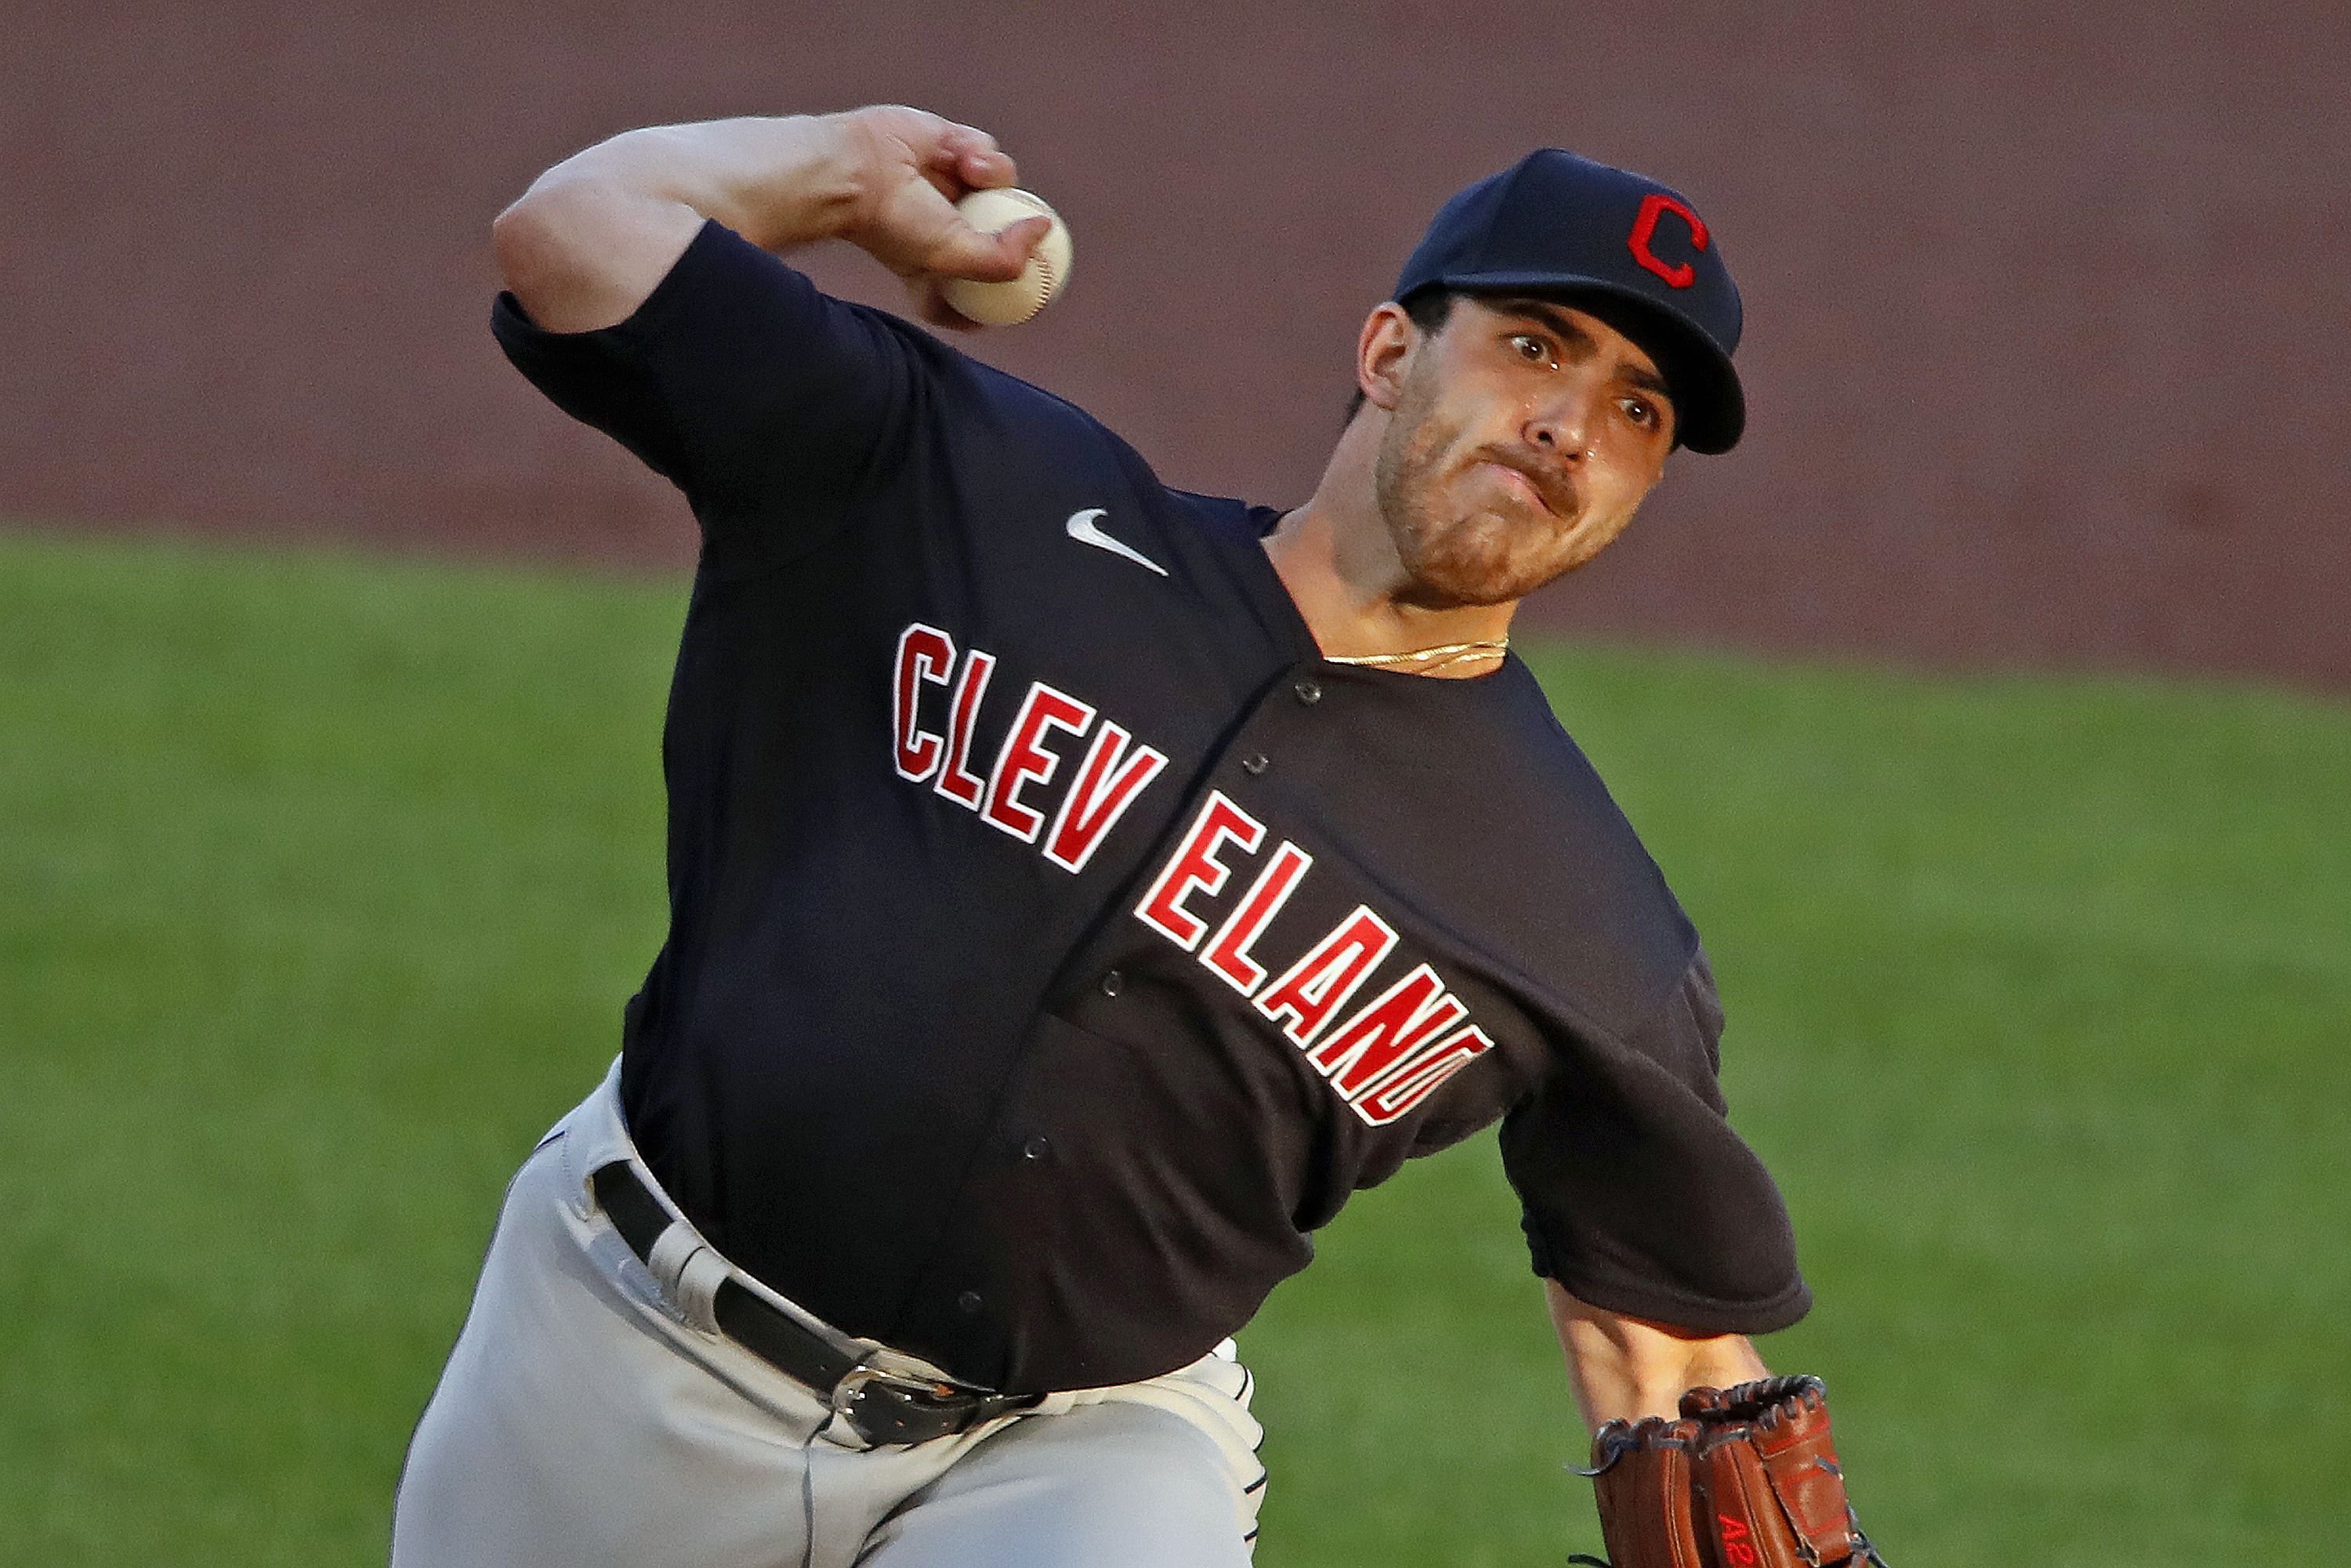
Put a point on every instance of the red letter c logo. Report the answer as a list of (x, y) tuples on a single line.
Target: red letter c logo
[(1653, 205)]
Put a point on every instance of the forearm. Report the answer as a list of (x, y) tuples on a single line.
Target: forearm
[(595, 234), (779, 182), (1622, 1368)]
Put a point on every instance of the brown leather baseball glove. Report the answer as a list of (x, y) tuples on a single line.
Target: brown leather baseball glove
[(1746, 1479)]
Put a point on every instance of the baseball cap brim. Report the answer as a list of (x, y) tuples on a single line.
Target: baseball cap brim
[(1710, 405)]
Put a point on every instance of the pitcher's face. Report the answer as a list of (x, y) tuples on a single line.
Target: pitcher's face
[(1524, 435)]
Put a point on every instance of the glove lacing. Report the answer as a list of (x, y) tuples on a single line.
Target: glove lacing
[(1864, 1550)]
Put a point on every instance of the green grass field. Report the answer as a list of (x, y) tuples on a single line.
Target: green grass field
[(322, 881)]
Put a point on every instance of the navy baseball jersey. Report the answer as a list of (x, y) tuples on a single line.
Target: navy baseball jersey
[(1056, 940)]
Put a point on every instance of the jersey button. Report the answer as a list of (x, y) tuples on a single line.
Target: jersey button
[(1112, 982), (1255, 763), (1034, 1149), (1309, 692), (968, 1302)]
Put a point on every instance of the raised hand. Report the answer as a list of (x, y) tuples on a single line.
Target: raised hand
[(910, 168)]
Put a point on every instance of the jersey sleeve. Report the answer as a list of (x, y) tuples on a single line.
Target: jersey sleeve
[(1637, 1197), (766, 402)]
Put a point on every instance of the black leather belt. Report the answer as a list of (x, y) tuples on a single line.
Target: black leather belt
[(880, 1407)]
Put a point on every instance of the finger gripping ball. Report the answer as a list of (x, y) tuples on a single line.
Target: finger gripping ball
[(1009, 304)]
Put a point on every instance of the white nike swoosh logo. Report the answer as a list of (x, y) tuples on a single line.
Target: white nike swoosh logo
[(1086, 531)]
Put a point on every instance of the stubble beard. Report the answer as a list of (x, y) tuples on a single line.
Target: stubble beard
[(1454, 559)]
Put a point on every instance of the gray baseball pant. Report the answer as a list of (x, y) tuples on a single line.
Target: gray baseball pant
[(585, 1419)]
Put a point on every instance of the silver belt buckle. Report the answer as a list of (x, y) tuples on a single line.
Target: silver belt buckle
[(849, 1394), (882, 1423), (854, 1383)]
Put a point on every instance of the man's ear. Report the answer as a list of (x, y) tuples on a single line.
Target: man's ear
[(1383, 354)]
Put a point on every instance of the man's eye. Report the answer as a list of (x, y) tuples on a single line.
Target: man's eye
[(1641, 411), (1529, 347)]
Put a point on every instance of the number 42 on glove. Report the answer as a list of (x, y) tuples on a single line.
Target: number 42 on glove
[(1746, 1479)]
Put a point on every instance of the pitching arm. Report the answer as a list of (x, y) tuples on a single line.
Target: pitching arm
[(595, 235), (1625, 1368)]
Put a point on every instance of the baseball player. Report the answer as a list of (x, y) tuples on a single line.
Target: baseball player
[(1079, 887)]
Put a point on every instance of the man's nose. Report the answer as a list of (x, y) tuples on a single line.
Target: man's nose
[(1559, 427)]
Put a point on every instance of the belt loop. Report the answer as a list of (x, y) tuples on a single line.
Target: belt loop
[(578, 1196), (697, 1289), (689, 1272), (594, 1132)]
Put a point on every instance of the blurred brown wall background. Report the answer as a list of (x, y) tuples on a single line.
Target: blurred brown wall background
[(2045, 304)]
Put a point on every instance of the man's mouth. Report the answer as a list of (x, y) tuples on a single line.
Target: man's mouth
[(1556, 496)]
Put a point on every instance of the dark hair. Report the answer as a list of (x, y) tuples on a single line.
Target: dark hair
[(1428, 311)]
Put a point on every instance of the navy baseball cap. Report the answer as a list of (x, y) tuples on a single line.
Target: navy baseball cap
[(1615, 243)]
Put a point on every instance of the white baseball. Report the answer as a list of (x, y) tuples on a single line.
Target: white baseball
[(1009, 304)]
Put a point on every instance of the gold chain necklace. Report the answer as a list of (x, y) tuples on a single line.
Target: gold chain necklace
[(1445, 655)]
